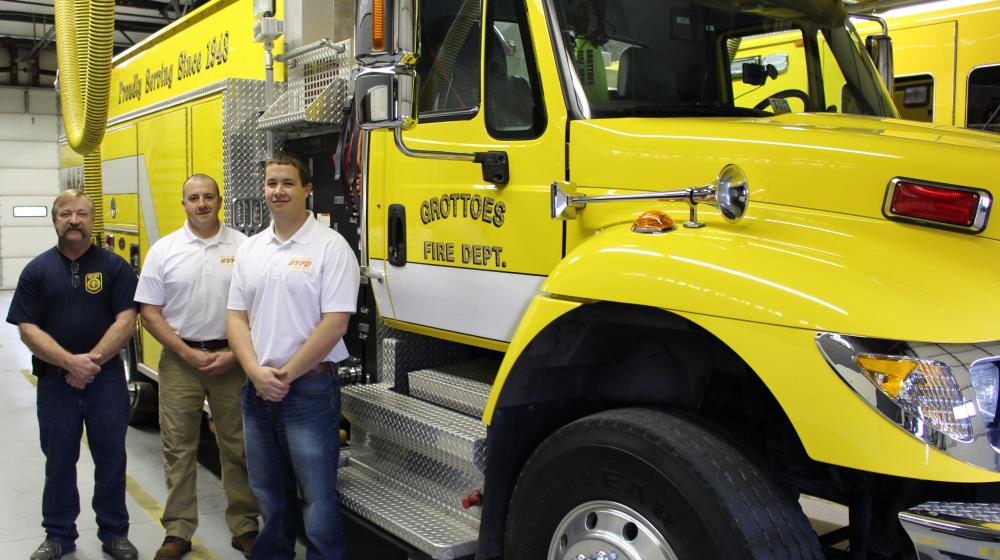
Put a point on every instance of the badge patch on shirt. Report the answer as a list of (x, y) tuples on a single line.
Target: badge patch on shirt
[(300, 263), (93, 282), (227, 261)]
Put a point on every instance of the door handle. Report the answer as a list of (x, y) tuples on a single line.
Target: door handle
[(397, 235)]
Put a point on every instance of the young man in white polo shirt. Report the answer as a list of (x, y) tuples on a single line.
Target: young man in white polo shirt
[(295, 285), (183, 289)]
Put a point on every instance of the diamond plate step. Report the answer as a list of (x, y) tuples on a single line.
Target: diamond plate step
[(415, 424), (437, 482), (463, 387), (405, 515)]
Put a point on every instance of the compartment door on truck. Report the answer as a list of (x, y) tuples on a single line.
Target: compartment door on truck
[(924, 59), (461, 254)]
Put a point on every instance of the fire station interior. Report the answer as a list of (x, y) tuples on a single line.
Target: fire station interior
[(30, 138)]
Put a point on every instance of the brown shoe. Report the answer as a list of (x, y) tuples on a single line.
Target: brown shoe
[(244, 542), (173, 548)]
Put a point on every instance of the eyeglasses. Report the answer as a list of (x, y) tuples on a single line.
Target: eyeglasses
[(74, 267)]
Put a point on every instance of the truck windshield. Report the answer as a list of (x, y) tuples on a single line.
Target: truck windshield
[(654, 58)]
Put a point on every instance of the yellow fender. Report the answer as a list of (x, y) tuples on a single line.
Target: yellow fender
[(765, 286)]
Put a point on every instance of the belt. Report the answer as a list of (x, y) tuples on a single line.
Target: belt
[(207, 345), (324, 368)]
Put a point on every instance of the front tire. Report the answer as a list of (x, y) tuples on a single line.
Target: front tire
[(650, 485)]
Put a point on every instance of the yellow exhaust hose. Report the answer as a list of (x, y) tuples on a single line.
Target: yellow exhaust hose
[(84, 41)]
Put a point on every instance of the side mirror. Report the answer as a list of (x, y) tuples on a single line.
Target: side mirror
[(387, 31), (880, 49), (385, 97)]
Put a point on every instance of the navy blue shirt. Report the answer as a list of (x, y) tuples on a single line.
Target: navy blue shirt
[(75, 317)]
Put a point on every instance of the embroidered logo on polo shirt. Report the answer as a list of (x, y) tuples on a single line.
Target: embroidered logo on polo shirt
[(93, 282), (300, 263), (227, 261)]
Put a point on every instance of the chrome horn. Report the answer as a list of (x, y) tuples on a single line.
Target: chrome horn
[(730, 193)]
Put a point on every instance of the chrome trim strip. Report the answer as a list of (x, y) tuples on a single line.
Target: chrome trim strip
[(148, 372), (397, 135), (984, 449), (146, 205), (366, 138), (576, 100), (130, 229), (167, 103), (982, 213)]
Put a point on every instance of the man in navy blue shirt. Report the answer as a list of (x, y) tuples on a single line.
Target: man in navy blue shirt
[(74, 307)]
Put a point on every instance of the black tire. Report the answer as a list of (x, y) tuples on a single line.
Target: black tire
[(673, 480), (143, 406)]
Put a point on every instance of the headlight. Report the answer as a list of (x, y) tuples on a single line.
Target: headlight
[(985, 376), (943, 394)]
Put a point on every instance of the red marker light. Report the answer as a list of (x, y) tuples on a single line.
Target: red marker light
[(952, 206)]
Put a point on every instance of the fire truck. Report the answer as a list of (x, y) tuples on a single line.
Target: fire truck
[(625, 295)]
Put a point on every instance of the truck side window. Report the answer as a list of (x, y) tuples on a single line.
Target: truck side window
[(914, 97), (782, 61), (983, 111), (513, 107), (448, 68)]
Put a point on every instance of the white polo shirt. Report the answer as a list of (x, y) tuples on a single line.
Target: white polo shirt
[(189, 277), (285, 287)]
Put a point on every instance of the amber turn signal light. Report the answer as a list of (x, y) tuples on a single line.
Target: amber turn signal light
[(653, 221)]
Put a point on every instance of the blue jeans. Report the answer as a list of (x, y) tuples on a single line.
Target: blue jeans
[(62, 413), (292, 452)]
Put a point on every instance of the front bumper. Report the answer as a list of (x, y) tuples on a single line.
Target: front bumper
[(953, 530)]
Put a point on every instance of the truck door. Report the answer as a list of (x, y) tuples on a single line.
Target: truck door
[(460, 254)]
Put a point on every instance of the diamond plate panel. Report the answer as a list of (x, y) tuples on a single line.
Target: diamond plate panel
[(244, 150), (982, 512), (437, 481), (431, 531), (463, 387), (318, 83), (416, 424), (405, 352)]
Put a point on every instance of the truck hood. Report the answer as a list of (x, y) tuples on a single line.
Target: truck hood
[(828, 162)]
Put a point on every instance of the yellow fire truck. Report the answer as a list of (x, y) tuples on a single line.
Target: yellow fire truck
[(626, 295), (947, 65)]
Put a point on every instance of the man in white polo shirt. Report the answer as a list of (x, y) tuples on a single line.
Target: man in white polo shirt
[(183, 290), (294, 288)]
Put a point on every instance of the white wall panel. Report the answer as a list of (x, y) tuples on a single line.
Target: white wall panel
[(11, 271), (27, 128), (29, 175), (35, 101), (8, 202), (29, 181), (26, 242), (29, 155)]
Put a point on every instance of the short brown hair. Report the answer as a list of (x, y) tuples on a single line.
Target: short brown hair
[(305, 176), (201, 177), (66, 196)]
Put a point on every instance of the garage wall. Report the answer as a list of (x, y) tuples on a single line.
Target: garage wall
[(29, 175)]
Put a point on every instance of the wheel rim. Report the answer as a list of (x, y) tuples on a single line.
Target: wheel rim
[(601, 530)]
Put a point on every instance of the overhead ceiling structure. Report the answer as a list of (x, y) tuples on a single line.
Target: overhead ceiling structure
[(29, 22), (27, 33)]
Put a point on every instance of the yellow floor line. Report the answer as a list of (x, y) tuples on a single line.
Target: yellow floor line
[(147, 502)]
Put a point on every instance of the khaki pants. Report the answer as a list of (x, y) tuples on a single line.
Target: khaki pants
[(182, 395)]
